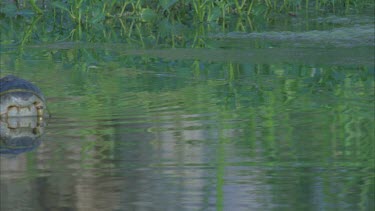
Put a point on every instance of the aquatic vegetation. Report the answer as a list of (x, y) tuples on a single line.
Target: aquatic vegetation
[(232, 80), (149, 22)]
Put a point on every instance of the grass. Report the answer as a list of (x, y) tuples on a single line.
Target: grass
[(135, 20)]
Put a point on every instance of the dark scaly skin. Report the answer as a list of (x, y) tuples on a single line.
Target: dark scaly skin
[(20, 98), (22, 108)]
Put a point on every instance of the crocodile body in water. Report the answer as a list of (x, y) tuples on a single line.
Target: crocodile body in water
[(20, 98)]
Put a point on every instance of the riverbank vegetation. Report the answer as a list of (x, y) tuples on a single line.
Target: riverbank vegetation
[(144, 23)]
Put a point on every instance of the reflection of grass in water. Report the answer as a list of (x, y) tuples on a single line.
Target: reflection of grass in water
[(216, 84)]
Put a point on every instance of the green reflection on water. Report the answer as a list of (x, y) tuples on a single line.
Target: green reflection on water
[(242, 124), (290, 126)]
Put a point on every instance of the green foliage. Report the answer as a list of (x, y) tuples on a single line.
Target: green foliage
[(9, 10), (114, 20), (166, 4)]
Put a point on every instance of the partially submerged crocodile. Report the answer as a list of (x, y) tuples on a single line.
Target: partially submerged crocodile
[(20, 98), (22, 108)]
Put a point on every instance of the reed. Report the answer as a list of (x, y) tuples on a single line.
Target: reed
[(87, 20)]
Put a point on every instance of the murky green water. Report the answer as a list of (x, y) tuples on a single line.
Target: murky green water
[(232, 127)]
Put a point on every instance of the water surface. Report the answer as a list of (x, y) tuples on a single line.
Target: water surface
[(231, 127)]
